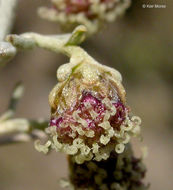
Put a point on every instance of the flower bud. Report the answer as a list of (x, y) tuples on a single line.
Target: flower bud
[(89, 115), (91, 13)]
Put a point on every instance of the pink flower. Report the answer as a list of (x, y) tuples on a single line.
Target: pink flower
[(89, 115), (92, 14)]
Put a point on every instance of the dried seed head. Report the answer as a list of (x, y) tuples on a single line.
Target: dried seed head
[(91, 13), (89, 115)]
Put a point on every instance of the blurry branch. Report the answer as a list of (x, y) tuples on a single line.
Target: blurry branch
[(7, 52), (7, 14), (14, 130), (22, 129), (56, 43), (21, 137)]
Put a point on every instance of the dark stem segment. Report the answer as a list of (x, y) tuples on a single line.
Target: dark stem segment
[(118, 172)]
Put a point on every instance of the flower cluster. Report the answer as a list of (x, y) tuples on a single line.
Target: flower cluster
[(89, 115), (91, 13)]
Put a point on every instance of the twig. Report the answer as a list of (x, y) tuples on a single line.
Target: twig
[(7, 52), (56, 43), (21, 137), (21, 125), (21, 129), (7, 14), (14, 130), (66, 44), (15, 97)]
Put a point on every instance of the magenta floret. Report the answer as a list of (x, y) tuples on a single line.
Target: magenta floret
[(81, 6), (65, 120)]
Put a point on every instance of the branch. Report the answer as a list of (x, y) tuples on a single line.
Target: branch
[(15, 97), (55, 43), (21, 137), (13, 130), (7, 14), (21, 125), (66, 44)]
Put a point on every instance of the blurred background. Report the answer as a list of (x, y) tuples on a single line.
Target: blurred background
[(140, 46)]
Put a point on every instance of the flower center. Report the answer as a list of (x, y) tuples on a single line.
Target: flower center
[(87, 115)]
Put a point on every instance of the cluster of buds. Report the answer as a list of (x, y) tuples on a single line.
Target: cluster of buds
[(89, 115), (118, 172), (91, 13)]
